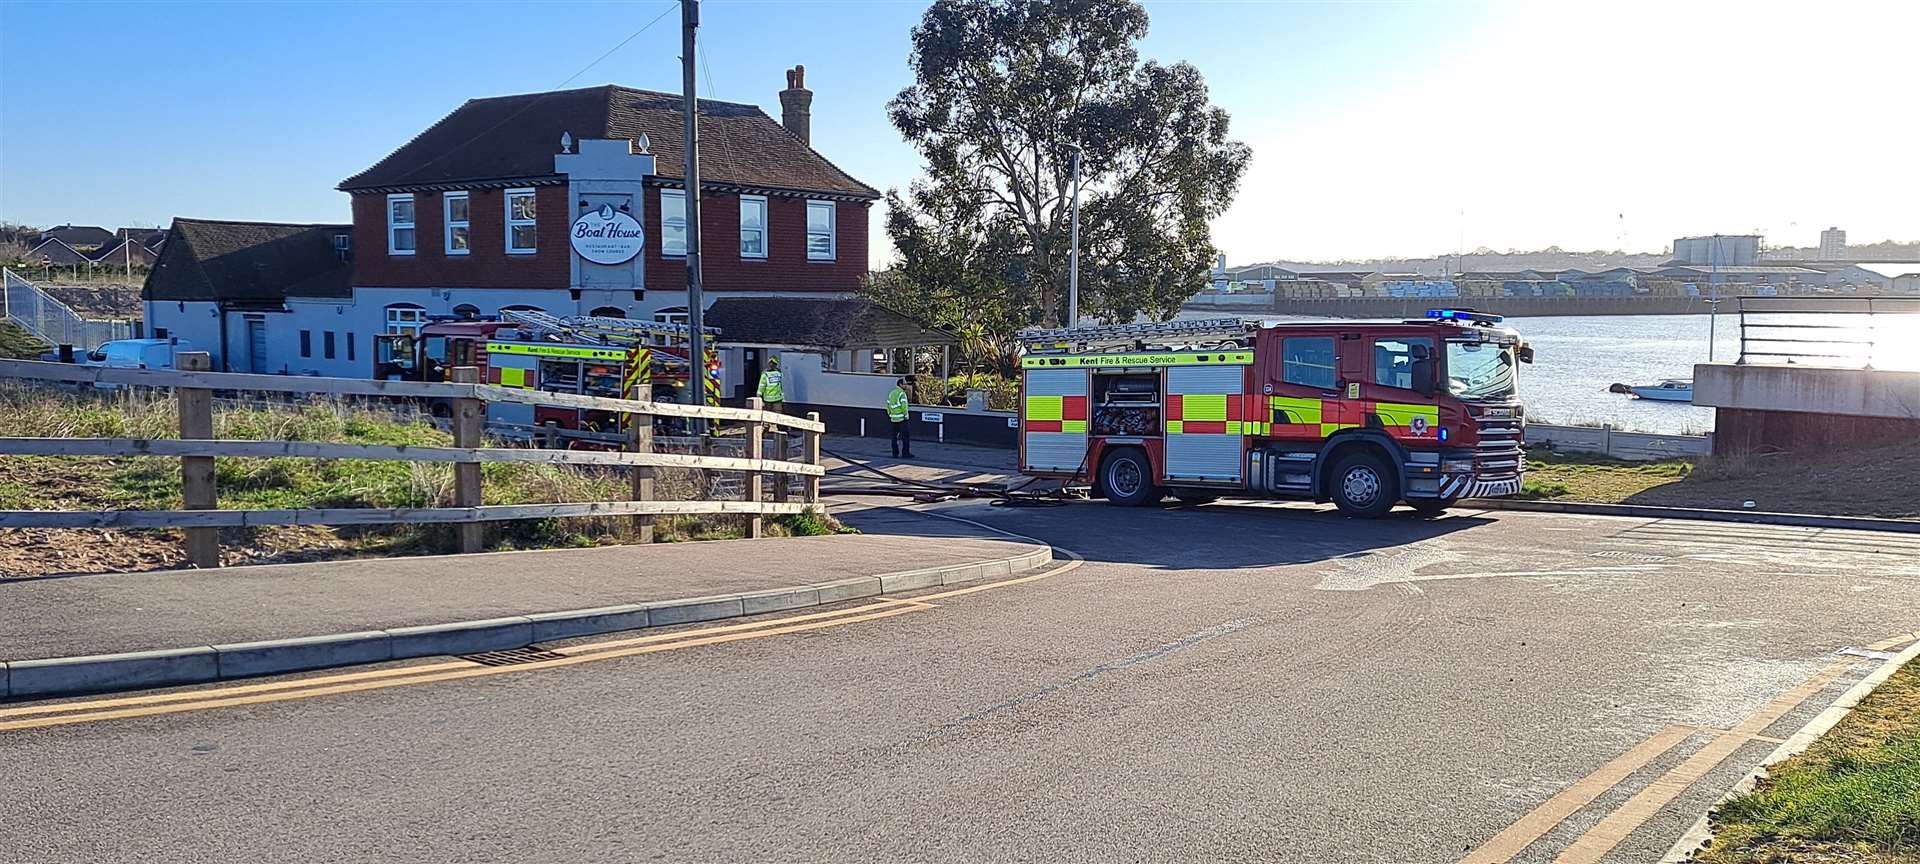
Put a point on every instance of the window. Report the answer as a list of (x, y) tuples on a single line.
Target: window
[(820, 217), (1308, 361), (159, 332), (673, 315), (466, 312), (520, 234), (306, 343), (608, 312), (673, 222), (753, 226), (400, 225), (350, 345), (459, 235), (326, 344), (405, 318), (1481, 371), (1393, 360)]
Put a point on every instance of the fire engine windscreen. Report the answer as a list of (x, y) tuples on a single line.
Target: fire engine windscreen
[(1481, 371)]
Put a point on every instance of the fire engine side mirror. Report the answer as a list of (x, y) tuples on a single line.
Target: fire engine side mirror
[(1525, 354)]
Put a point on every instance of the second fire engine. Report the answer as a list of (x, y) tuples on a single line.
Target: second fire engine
[(1363, 414), (588, 355)]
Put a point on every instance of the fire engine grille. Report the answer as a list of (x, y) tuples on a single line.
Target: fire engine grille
[(1498, 455), (512, 657)]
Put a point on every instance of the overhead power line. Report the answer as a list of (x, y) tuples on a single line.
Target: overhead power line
[(548, 92)]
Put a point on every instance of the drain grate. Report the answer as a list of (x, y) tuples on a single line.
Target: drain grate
[(512, 657)]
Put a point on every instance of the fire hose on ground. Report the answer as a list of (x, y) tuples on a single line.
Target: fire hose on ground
[(921, 490)]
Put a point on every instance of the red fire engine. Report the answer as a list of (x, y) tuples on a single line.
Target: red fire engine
[(1363, 414), (589, 355)]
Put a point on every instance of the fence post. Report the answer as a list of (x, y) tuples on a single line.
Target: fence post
[(640, 440), (812, 457), (781, 482), (756, 448), (469, 416), (197, 490), (1606, 439)]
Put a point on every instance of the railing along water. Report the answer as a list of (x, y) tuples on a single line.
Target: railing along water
[(1867, 332)]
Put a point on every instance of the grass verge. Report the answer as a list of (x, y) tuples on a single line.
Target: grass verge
[(1854, 796), (1873, 481), (1553, 475)]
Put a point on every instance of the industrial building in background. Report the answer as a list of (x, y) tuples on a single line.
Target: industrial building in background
[(1833, 244), (1723, 250)]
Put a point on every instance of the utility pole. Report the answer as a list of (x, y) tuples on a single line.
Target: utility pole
[(697, 339), (1713, 289), (1073, 256)]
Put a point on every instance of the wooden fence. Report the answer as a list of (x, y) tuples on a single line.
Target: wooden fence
[(196, 448)]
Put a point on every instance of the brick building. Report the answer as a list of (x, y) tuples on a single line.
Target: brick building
[(484, 210)]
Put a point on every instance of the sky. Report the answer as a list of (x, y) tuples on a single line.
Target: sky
[(1377, 128)]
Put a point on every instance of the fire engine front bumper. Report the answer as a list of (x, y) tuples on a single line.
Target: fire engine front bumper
[(1467, 486)]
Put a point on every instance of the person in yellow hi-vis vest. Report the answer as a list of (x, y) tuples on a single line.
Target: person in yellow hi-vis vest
[(897, 417), (773, 392)]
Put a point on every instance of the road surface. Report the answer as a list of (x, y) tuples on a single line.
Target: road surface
[(1223, 683)]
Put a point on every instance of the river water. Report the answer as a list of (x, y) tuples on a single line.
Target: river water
[(1576, 357)]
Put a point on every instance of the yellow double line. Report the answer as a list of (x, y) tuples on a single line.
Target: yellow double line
[(92, 710), (1597, 841)]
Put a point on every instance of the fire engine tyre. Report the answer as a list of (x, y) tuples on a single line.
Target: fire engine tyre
[(1195, 497), (1128, 479), (1431, 507), (1362, 486)]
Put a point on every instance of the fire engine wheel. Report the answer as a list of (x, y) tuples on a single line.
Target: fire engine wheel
[(1128, 479), (1362, 486), (1431, 507)]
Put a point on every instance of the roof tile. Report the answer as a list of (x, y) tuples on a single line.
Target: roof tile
[(515, 137)]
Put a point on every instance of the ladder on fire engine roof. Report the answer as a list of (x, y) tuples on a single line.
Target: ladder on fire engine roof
[(607, 330), (1199, 334)]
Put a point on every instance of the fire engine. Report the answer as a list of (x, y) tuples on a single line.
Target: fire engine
[(584, 354), (1363, 414)]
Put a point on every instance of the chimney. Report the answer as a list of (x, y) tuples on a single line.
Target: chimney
[(796, 105)]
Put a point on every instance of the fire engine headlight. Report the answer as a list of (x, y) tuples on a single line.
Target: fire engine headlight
[(1456, 466)]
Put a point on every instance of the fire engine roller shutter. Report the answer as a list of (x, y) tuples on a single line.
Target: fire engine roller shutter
[(1204, 432), (1056, 419)]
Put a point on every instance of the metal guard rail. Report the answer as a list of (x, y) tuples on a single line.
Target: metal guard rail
[(1854, 334)]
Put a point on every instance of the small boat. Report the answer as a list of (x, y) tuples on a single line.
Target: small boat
[(1670, 390)]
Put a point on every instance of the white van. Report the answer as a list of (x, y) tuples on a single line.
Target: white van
[(136, 353)]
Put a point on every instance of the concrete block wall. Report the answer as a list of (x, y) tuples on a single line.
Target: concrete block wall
[(1763, 408)]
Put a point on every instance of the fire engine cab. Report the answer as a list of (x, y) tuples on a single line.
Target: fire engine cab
[(584, 354), (1363, 414)]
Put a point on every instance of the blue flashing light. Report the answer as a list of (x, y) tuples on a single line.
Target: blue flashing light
[(1443, 434), (1466, 315)]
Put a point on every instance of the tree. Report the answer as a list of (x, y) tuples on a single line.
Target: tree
[(1003, 92)]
